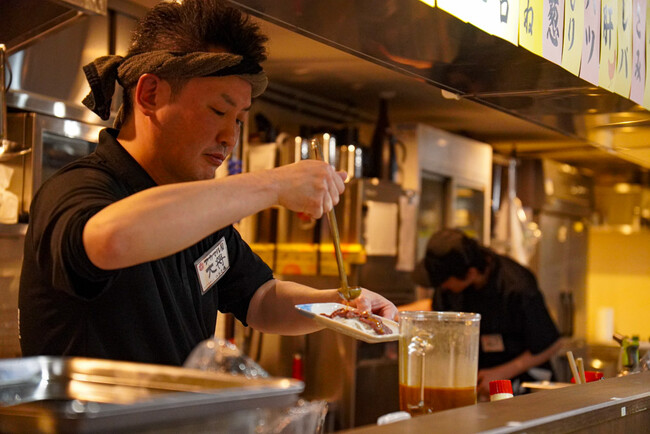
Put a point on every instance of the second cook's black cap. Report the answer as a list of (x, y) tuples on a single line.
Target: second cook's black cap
[(450, 253)]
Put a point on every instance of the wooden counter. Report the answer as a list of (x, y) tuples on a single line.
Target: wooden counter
[(607, 406)]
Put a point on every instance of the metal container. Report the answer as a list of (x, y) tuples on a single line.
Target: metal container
[(53, 394), (351, 160)]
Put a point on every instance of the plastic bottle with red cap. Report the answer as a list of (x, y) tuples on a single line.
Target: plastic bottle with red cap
[(500, 389), (297, 368)]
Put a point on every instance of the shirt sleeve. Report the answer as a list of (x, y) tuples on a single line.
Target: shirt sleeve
[(58, 216), (246, 274)]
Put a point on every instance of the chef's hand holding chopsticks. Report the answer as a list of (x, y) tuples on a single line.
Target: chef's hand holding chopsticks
[(308, 186)]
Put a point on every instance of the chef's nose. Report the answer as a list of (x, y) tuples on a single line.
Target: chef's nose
[(229, 135)]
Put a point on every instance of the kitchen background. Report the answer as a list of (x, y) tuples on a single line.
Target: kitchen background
[(477, 123)]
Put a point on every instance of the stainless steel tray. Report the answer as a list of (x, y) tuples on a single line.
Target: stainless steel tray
[(55, 394)]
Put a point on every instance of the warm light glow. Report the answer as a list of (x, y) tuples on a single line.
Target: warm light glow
[(71, 129), (626, 229), (449, 95), (22, 100), (59, 109), (622, 187), (431, 3), (568, 169), (521, 214), (548, 187), (596, 363)]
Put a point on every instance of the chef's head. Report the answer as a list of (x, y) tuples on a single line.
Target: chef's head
[(453, 261), (201, 26), (178, 41)]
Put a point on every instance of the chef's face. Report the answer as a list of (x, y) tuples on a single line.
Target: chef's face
[(199, 127), (456, 285)]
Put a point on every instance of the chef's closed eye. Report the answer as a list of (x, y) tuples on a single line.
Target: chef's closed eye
[(219, 113)]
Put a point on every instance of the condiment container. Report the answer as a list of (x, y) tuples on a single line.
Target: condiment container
[(500, 389)]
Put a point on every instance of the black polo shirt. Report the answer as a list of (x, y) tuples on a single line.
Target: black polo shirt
[(514, 318), (154, 312)]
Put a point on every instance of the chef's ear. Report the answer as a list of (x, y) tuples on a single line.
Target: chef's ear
[(151, 93)]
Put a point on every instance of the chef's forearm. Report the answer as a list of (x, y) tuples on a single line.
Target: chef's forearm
[(272, 307)]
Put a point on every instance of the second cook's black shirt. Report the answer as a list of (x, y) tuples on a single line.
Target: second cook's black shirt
[(512, 312)]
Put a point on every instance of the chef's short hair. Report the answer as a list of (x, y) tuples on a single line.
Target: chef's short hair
[(450, 253), (195, 26)]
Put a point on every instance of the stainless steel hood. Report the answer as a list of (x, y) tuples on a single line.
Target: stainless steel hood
[(22, 22), (567, 118)]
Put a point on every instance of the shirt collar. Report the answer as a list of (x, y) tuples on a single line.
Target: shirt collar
[(121, 162)]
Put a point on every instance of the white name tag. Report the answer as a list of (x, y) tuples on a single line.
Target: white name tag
[(212, 265), (492, 343)]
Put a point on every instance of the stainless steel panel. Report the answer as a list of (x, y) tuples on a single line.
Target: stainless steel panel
[(561, 198), (561, 270), (555, 187), (49, 394), (43, 134), (577, 274), (552, 269), (47, 77), (434, 201), (19, 28)]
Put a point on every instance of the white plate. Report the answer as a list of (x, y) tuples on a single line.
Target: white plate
[(315, 310)]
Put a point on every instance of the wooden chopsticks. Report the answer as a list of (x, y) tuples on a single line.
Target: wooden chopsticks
[(577, 368)]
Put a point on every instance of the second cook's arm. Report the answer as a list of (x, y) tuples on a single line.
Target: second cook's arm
[(514, 367)]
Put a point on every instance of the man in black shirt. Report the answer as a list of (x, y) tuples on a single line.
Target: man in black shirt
[(131, 251), (517, 333)]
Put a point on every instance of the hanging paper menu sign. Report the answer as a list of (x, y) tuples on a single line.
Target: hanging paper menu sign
[(496, 17), (483, 14), (461, 9), (638, 50), (574, 17), (590, 64), (530, 25), (552, 30), (506, 25), (646, 91), (623, 74), (608, 38)]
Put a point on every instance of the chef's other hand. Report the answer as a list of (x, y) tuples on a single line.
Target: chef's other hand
[(483, 379), (372, 302), (309, 186)]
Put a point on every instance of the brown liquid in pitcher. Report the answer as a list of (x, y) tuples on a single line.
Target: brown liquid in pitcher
[(435, 398)]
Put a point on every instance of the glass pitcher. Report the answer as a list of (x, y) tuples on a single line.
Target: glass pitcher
[(438, 360)]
